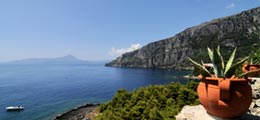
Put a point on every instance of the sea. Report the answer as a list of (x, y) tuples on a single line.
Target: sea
[(46, 90)]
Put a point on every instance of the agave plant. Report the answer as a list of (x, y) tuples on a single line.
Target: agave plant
[(219, 67), (254, 57)]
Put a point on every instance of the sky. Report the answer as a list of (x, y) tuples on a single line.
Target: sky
[(100, 29)]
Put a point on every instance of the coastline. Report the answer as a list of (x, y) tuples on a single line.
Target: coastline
[(190, 77), (84, 112)]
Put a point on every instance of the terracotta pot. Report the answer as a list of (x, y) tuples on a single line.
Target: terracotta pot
[(251, 67), (225, 98)]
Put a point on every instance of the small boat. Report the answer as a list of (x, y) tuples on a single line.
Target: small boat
[(14, 108)]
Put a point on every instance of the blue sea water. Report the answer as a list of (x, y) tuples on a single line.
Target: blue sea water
[(47, 90)]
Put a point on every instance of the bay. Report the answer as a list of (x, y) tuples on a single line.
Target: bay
[(46, 90)]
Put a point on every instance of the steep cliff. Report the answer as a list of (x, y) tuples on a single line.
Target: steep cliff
[(241, 30)]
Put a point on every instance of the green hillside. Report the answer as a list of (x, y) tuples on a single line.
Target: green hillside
[(158, 102)]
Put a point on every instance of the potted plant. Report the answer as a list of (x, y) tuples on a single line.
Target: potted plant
[(221, 92), (253, 64)]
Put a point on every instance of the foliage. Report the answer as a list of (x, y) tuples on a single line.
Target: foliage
[(151, 103), (219, 67), (241, 39), (254, 57)]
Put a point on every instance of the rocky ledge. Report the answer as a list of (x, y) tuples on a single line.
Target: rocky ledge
[(85, 112), (199, 113), (255, 105)]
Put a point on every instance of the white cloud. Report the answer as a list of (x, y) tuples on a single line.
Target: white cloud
[(69, 50), (121, 51), (230, 6)]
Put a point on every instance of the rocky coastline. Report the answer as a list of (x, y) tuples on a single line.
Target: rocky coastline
[(241, 30), (89, 111), (84, 112)]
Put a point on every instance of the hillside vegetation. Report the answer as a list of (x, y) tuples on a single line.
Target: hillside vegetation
[(158, 102), (240, 30)]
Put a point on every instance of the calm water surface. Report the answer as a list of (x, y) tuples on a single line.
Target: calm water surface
[(47, 90)]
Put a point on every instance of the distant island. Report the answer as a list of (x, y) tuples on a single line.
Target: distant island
[(68, 59)]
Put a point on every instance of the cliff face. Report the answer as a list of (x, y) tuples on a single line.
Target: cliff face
[(241, 30)]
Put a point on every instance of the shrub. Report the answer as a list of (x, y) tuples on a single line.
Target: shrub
[(153, 102)]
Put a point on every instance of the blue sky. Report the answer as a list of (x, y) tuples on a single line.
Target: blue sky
[(99, 29)]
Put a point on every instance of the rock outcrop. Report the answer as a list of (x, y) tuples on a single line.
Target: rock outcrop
[(79, 113), (241, 30), (199, 113), (255, 105)]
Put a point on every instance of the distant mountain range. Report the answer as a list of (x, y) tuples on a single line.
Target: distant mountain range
[(241, 30), (68, 59)]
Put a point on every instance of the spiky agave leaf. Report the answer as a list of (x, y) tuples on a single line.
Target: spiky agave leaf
[(218, 63), (220, 56), (210, 54), (249, 72), (230, 61), (231, 71), (250, 59), (257, 55), (204, 72)]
